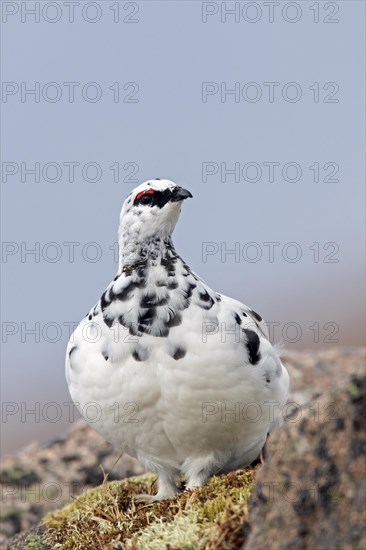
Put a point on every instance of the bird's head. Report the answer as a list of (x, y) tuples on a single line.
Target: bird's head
[(151, 210)]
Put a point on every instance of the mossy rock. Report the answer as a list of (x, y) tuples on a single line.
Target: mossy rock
[(19, 477), (209, 517)]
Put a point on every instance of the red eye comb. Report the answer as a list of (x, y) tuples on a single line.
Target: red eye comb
[(146, 192)]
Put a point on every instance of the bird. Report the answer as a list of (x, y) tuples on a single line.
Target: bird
[(169, 371)]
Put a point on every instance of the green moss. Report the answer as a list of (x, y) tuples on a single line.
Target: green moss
[(354, 390), (108, 517), (184, 533), (33, 542)]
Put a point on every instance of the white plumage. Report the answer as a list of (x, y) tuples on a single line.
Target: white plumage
[(166, 369)]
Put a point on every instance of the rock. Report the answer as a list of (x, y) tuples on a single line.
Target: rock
[(311, 492), (314, 373)]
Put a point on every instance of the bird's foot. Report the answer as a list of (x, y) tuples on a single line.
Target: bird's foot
[(197, 481), (150, 499), (166, 489), (192, 486), (147, 499)]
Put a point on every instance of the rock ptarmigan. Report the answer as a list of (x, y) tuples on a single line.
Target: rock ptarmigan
[(165, 368)]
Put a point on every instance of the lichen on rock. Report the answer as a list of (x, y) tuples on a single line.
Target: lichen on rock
[(311, 493)]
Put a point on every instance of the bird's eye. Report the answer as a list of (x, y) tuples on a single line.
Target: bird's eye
[(146, 199)]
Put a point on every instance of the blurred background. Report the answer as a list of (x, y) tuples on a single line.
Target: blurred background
[(257, 108)]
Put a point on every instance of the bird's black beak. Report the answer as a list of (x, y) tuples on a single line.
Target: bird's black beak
[(179, 194)]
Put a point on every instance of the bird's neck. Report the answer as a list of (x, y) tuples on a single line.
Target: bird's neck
[(148, 252)]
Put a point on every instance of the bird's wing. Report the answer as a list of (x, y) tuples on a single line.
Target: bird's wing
[(250, 318)]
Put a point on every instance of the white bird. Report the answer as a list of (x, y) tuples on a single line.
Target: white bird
[(165, 368)]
